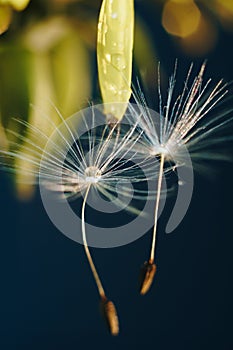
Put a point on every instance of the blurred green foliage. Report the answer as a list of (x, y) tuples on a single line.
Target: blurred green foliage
[(47, 53)]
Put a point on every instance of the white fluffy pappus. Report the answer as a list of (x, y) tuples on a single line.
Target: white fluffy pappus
[(83, 154), (186, 128)]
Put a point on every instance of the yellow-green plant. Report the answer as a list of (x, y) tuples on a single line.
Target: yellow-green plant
[(114, 54)]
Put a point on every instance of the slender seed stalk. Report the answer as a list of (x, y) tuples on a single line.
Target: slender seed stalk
[(107, 307), (152, 254), (149, 268), (87, 251)]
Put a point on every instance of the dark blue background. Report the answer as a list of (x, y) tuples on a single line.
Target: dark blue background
[(48, 299)]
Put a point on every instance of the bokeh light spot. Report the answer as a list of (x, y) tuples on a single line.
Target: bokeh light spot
[(180, 17)]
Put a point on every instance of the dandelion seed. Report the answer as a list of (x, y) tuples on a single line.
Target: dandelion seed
[(182, 123), (147, 275), (109, 312), (79, 158)]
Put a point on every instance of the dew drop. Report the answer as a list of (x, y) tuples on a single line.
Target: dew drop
[(111, 87), (108, 57), (118, 61)]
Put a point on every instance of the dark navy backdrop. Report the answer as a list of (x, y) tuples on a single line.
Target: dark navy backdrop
[(48, 299)]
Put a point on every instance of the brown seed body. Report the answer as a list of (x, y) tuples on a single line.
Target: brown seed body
[(109, 312), (147, 276)]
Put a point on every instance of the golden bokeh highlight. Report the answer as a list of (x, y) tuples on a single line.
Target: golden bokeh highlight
[(227, 5), (202, 40), (17, 5), (225, 10), (180, 17), (5, 18), (6, 7)]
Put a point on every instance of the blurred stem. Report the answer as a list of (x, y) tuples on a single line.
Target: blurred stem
[(41, 89), (3, 138), (41, 92)]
